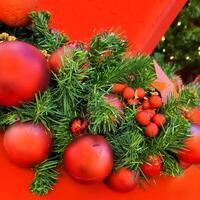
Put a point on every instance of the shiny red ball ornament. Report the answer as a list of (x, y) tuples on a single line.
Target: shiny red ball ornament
[(151, 130), (123, 180), (78, 126), (159, 120), (23, 73), (27, 144), (140, 93), (155, 102), (191, 151), (143, 118), (128, 93), (152, 166), (88, 159), (55, 58)]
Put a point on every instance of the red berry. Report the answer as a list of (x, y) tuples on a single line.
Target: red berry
[(159, 120), (140, 93), (118, 87), (143, 118), (150, 112), (155, 101), (139, 108), (151, 130), (78, 126), (123, 180), (132, 101), (146, 104), (153, 166), (128, 93)]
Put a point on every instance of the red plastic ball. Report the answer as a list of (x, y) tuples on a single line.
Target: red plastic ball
[(128, 93), (151, 130), (27, 144), (159, 120), (123, 180), (150, 112), (23, 73), (78, 126), (143, 118), (191, 152), (155, 102), (140, 93), (88, 159), (153, 166)]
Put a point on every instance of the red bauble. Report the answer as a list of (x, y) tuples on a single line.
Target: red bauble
[(143, 118), (78, 126), (23, 73), (191, 152), (146, 104), (150, 112), (27, 144), (128, 93), (151, 130), (118, 87), (140, 93), (153, 166), (88, 159), (123, 180), (155, 102), (55, 58), (159, 120)]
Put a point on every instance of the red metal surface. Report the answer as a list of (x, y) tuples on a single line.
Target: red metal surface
[(143, 23)]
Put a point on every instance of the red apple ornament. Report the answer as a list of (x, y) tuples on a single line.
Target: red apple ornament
[(88, 159), (27, 144)]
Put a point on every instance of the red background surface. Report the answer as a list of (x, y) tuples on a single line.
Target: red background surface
[(143, 22)]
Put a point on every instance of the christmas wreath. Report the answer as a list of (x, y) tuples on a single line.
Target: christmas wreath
[(104, 114)]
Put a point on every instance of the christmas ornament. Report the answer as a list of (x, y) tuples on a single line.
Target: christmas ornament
[(27, 144), (123, 180), (150, 112), (78, 126), (23, 73), (159, 119), (140, 93), (155, 102), (191, 151), (163, 84), (151, 130), (146, 104), (88, 159), (128, 93), (143, 118), (152, 166), (118, 87), (15, 13)]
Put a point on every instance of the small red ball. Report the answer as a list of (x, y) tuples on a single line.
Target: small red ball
[(153, 166), (140, 93), (159, 120), (151, 130), (143, 118), (146, 104), (155, 102), (118, 87), (88, 159), (78, 126), (150, 112), (128, 93), (123, 180), (27, 144)]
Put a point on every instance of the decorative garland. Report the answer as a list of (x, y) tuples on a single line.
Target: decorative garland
[(105, 115)]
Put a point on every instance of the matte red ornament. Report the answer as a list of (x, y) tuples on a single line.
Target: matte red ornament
[(88, 159), (159, 120), (23, 73), (78, 126), (146, 104), (151, 112), (153, 166), (27, 144), (140, 93), (155, 102), (118, 87), (191, 151), (151, 130), (128, 93), (143, 118), (123, 180)]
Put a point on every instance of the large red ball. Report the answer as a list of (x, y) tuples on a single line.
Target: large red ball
[(123, 180), (88, 159), (23, 73), (27, 144), (191, 152)]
